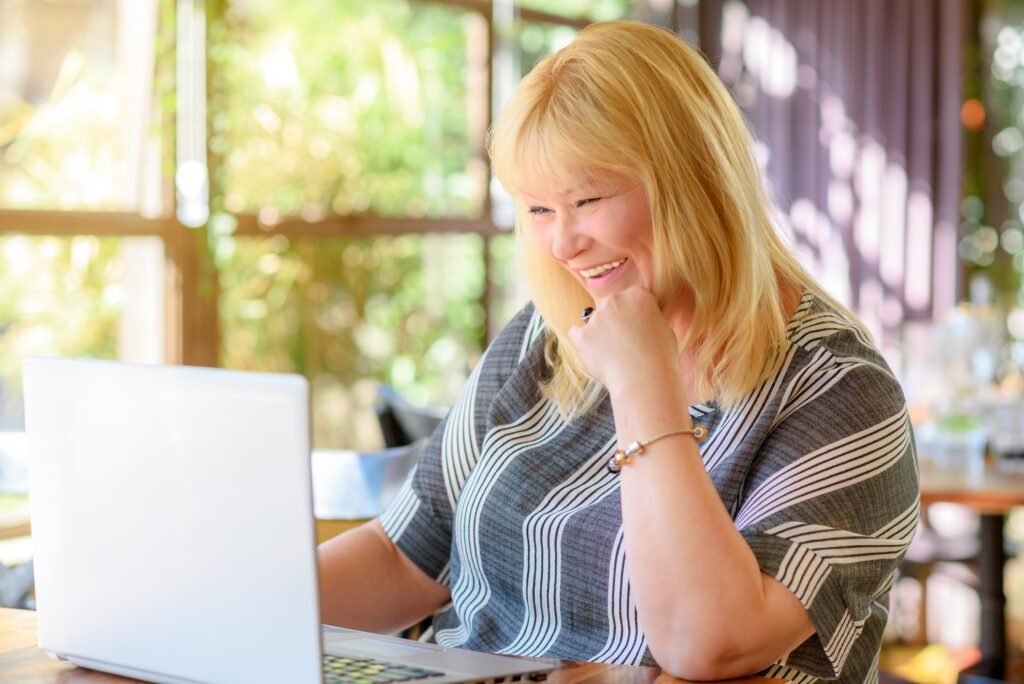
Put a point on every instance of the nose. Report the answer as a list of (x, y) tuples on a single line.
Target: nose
[(568, 240)]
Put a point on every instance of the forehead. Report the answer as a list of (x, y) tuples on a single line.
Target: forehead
[(570, 183)]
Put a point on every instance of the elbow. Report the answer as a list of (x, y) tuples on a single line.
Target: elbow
[(725, 646), (703, 659), (693, 666)]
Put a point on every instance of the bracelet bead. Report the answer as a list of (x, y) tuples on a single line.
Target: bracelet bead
[(624, 456)]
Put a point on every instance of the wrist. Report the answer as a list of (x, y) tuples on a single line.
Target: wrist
[(640, 419), (659, 399), (624, 455)]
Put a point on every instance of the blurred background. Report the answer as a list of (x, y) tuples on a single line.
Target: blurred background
[(271, 185), (303, 187)]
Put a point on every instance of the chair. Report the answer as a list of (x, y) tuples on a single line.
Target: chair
[(358, 485), (16, 584), (402, 422), (932, 552)]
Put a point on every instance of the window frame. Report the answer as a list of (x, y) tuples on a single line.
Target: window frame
[(192, 330)]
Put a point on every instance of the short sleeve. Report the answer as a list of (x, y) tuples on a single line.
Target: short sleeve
[(832, 507), (420, 518)]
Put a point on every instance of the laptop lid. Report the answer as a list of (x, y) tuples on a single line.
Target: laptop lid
[(172, 520)]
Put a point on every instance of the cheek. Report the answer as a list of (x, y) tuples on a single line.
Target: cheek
[(643, 231), (630, 233), (541, 238)]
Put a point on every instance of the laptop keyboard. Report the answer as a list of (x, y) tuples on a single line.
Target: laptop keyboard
[(339, 669)]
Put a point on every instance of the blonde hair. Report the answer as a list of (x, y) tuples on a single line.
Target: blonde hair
[(630, 98)]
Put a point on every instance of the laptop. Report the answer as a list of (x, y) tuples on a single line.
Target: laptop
[(173, 531)]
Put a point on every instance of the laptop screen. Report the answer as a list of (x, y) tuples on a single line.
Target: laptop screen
[(172, 519)]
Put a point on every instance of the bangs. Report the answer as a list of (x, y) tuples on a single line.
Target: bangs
[(547, 140), (550, 154)]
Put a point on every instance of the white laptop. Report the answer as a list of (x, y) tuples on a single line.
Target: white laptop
[(173, 531)]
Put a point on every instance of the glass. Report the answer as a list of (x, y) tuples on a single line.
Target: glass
[(80, 296), (340, 107), (536, 41), (351, 313), (959, 441), (1005, 422), (594, 10), (75, 84), (991, 240), (509, 291)]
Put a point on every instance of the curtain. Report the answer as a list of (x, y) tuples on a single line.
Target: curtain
[(855, 105)]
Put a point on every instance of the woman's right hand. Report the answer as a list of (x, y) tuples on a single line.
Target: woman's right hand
[(627, 343)]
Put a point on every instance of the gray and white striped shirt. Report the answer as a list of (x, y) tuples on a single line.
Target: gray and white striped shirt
[(513, 509)]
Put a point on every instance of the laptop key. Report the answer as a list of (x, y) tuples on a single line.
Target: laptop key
[(338, 669)]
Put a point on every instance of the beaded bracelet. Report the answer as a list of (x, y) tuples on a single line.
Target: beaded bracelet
[(624, 456)]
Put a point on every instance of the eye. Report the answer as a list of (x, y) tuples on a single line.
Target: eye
[(539, 211), (585, 202)]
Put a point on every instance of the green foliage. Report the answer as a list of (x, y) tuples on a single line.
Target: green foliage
[(508, 287), (349, 313), (536, 41), (595, 10), (61, 296), (65, 151), (337, 107), (314, 108), (992, 230), (328, 107)]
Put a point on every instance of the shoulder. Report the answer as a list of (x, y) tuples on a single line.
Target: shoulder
[(512, 345), (824, 341), (834, 426), (512, 362), (833, 392), (818, 325)]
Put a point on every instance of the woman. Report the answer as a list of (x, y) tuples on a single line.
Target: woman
[(712, 469)]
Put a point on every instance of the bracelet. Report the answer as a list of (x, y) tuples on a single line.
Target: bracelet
[(624, 456)]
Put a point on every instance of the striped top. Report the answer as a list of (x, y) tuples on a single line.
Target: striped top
[(513, 509)]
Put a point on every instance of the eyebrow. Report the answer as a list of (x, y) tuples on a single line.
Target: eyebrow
[(578, 190)]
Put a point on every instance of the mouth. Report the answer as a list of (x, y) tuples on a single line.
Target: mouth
[(598, 271)]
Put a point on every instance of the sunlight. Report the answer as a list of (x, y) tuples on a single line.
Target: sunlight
[(402, 80), (893, 217), (734, 17), (868, 214), (17, 254), (770, 57), (1008, 141), (829, 261), (751, 42), (267, 118), (840, 201), (278, 67), (83, 249), (920, 215)]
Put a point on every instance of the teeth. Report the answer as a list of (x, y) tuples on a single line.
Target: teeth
[(598, 270)]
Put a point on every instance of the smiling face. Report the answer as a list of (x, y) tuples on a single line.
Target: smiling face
[(599, 231)]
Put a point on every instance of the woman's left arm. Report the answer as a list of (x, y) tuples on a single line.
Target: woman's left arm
[(707, 609)]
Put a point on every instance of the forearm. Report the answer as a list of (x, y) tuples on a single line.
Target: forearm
[(367, 583), (707, 609)]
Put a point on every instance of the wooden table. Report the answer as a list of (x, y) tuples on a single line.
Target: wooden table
[(21, 662), (991, 494)]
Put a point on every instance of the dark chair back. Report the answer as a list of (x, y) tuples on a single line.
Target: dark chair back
[(402, 422)]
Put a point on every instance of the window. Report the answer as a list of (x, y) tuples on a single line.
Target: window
[(275, 186), (992, 213), (81, 269)]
